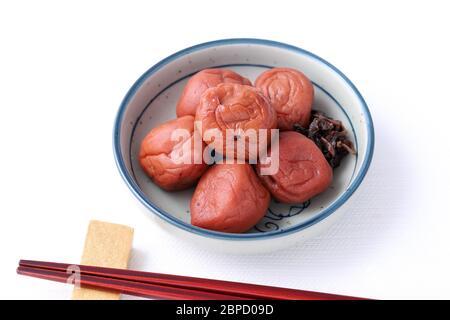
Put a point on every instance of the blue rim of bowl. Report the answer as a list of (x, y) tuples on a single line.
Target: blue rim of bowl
[(132, 185)]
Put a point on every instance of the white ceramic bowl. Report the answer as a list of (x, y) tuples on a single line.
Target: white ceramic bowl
[(152, 100)]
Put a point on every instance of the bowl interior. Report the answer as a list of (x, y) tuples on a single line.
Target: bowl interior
[(152, 100)]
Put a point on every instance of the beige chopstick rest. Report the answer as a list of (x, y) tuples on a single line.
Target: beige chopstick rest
[(106, 245)]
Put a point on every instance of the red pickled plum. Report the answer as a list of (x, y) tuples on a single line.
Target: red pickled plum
[(229, 198), (168, 162), (291, 94), (200, 82), (240, 108), (303, 170)]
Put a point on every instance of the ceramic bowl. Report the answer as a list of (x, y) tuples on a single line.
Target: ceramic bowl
[(152, 100)]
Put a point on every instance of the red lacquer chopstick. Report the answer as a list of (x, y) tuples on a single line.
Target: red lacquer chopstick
[(223, 289), (126, 287)]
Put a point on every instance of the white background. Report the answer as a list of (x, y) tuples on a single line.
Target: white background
[(64, 68)]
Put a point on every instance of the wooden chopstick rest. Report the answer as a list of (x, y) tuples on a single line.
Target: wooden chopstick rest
[(106, 245)]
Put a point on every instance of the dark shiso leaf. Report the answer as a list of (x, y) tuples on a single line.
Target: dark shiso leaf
[(329, 135)]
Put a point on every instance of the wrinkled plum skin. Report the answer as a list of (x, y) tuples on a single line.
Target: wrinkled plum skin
[(229, 198), (291, 94), (303, 170), (237, 107), (200, 82), (158, 156)]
